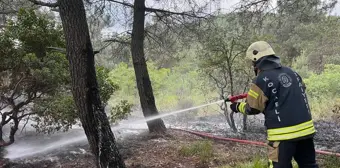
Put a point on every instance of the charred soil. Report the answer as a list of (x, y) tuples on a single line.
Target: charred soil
[(171, 150)]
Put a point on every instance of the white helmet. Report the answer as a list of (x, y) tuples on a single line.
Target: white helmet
[(258, 50)]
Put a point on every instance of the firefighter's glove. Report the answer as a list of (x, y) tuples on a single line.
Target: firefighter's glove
[(235, 107)]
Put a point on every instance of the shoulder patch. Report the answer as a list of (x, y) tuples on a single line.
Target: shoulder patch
[(285, 80)]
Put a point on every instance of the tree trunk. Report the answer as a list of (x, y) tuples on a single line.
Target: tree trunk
[(231, 79), (85, 87), (245, 117), (145, 91), (3, 19), (14, 129)]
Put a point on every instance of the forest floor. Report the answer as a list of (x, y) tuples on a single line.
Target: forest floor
[(175, 149)]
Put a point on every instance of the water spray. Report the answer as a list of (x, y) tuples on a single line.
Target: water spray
[(176, 112), (16, 152), (229, 99)]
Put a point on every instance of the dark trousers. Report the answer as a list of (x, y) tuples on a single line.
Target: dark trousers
[(303, 151)]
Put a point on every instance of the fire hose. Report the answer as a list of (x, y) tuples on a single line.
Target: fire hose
[(257, 143)]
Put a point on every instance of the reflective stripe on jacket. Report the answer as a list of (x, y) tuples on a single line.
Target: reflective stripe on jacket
[(279, 94)]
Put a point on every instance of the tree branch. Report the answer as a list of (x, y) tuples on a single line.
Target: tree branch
[(7, 121), (52, 5), (122, 3), (118, 41), (28, 114), (251, 4), (219, 84), (16, 86), (154, 10), (4, 116), (29, 100), (3, 107), (25, 124), (6, 12)]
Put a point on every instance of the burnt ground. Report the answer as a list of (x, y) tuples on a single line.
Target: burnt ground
[(153, 151), (145, 150)]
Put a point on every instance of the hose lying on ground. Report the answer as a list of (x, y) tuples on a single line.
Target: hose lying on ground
[(206, 135)]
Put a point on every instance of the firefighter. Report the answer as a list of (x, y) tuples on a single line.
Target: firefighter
[(279, 93)]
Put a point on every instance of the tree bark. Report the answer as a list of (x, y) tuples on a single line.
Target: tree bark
[(231, 81), (85, 87), (145, 91), (245, 117), (13, 130)]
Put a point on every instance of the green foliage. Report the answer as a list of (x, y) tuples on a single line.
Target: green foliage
[(36, 32), (38, 78), (31, 73), (55, 113), (326, 84), (183, 87), (223, 51), (323, 90), (202, 149), (123, 77), (172, 87), (304, 38), (319, 42), (300, 64), (106, 87), (121, 111)]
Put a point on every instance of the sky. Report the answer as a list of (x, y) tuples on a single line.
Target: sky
[(224, 5)]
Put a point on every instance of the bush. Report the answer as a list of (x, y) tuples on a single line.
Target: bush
[(323, 91), (121, 111), (325, 84), (300, 64), (173, 88)]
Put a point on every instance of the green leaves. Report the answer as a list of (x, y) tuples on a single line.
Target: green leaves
[(36, 32), (325, 84), (120, 111), (55, 113), (179, 87), (106, 87), (30, 68), (323, 91), (40, 78)]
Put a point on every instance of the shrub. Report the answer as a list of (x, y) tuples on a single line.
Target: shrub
[(323, 91)]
